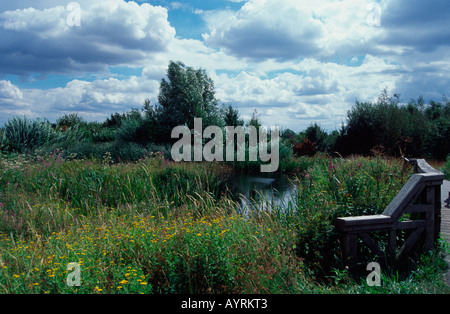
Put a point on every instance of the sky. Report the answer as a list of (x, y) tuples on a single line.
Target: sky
[(296, 62)]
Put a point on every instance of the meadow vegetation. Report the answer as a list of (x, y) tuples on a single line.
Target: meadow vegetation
[(155, 226), (107, 195)]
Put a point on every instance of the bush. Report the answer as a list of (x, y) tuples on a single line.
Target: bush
[(415, 130), (69, 120), (23, 135), (305, 148)]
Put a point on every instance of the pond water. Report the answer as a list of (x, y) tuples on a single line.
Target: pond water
[(260, 193)]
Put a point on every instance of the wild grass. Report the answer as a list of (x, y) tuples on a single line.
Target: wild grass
[(154, 226)]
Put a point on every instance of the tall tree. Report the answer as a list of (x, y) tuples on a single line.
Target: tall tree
[(255, 121), (187, 93), (231, 117)]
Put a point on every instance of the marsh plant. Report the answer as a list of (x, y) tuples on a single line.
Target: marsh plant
[(156, 226)]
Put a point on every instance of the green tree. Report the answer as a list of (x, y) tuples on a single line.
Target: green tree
[(255, 121), (415, 130), (317, 135), (186, 93), (231, 117), (139, 126), (115, 120)]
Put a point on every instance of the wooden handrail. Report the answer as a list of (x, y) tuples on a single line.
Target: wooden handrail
[(421, 194)]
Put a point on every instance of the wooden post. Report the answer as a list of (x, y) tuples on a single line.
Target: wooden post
[(437, 211), (349, 249), (429, 216), (392, 244)]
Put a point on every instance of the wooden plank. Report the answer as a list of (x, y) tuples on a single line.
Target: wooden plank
[(430, 200), (349, 248), (405, 197), (437, 212), (429, 238), (392, 243), (362, 220), (421, 166), (414, 224), (353, 227), (419, 208)]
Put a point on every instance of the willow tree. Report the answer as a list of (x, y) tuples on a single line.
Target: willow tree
[(186, 93)]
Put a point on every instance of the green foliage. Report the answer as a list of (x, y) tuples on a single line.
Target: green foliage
[(415, 130), (154, 226), (115, 120), (186, 94), (318, 136), (23, 135), (255, 121), (130, 131), (69, 120), (231, 116)]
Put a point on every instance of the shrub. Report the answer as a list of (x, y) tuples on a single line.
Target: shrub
[(306, 148), (104, 134), (23, 135), (69, 120)]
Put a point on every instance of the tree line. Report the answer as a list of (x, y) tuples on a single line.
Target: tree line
[(387, 126), (415, 130)]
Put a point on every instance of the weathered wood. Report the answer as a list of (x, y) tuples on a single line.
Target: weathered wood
[(419, 208), (392, 243), (437, 210), (349, 248), (359, 222), (422, 187), (413, 224), (421, 166), (405, 197)]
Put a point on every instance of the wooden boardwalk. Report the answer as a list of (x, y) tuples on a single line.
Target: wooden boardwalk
[(445, 213), (445, 219)]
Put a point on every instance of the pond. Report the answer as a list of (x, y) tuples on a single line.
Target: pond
[(260, 193)]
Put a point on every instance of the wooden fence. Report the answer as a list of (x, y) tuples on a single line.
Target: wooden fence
[(415, 211)]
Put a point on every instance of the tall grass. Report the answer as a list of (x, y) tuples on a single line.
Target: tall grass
[(155, 226)]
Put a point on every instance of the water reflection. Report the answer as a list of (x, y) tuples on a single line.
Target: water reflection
[(257, 193)]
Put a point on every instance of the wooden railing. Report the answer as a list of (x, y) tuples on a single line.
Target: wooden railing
[(420, 197)]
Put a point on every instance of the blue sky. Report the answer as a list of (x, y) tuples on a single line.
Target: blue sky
[(295, 61)]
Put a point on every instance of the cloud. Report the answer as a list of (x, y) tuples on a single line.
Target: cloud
[(296, 61), (310, 90), (255, 32), (418, 25), (9, 91), (292, 29), (112, 32), (92, 100), (12, 102)]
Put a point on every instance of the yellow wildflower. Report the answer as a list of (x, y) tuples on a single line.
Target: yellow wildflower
[(97, 289)]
